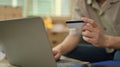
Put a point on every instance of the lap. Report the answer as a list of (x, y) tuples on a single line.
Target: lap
[(90, 53)]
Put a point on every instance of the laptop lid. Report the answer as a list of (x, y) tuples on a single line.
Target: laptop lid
[(26, 43)]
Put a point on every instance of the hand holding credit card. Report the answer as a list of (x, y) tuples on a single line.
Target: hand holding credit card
[(75, 24)]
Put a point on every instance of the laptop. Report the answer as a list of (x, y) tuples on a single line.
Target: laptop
[(26, 43)]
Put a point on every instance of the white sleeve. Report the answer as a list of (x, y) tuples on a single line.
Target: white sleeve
[(74, 31)]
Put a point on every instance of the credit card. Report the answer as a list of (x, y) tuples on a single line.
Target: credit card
[(75, 24)]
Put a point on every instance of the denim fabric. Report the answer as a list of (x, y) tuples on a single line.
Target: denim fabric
[(117, 56), (90, 53), (86, 52)]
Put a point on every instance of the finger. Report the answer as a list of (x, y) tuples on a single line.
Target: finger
[(57, 56), (87, 34), (54, 52), (87, 20), (88, 27), (93, 41), (87, 39), (90, 40), (92, 35)]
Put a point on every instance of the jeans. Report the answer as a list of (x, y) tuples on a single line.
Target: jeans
[(117, 56), (86, 52)]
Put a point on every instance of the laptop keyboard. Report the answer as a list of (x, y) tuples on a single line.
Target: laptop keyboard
[(65, 63)]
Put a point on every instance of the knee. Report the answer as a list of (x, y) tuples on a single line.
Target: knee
[(117, 56)]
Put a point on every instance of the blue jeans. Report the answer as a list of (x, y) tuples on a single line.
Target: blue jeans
[(87, 52), (117, 56)]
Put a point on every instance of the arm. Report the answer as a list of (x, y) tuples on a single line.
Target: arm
[(67, 45), (113, 42)]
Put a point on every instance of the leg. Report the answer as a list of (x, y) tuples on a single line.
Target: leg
[(117, 56), (90, 53)]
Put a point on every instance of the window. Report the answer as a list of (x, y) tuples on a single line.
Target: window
[(41, 7)]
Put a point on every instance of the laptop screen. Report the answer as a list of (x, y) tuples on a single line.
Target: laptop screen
[(26, 43)]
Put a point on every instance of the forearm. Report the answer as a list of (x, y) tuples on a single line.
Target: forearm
[(113, 42), (68, 44)]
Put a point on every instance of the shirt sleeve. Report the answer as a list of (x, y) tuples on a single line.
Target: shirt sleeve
[(76, 32)]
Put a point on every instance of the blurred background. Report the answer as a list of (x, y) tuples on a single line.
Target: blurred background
[(53, 12)]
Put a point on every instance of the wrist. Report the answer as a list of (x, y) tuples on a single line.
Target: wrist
[(107, 41)]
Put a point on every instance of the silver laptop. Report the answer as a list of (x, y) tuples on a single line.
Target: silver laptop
[(26, 43)]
